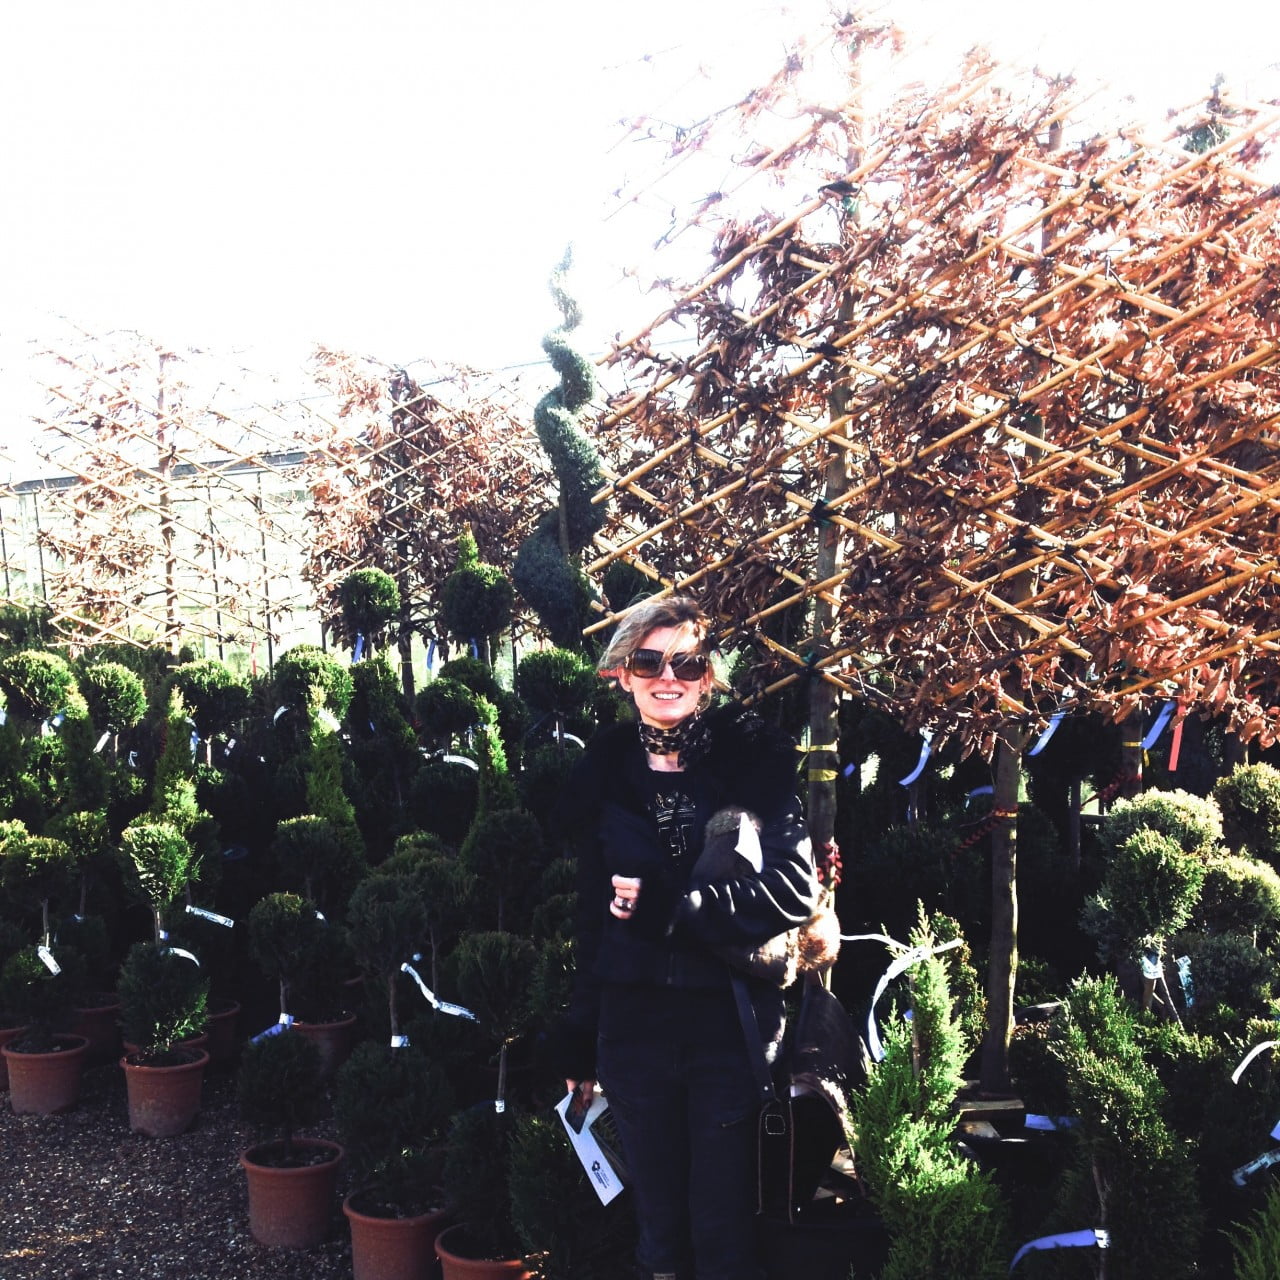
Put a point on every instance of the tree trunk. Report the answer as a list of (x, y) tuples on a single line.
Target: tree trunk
[(1002, 967)]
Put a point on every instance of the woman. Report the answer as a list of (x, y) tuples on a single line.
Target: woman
[(654, 1016)]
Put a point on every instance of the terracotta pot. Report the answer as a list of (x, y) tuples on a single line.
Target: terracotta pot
[(164, 1100), (222, 1027), (43, 1084), (99, 1023), (451, 1249), (291, 1208), (333, 1039), (6, 1035), (385, 1248)]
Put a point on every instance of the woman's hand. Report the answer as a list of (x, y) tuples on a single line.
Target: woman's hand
[(585, 1088), (626, 893)]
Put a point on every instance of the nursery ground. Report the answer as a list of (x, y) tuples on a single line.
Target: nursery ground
[(82, 1197)]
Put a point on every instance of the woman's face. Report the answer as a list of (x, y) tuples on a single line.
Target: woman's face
[(665, 700)]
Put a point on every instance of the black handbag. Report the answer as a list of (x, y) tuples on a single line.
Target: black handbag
[(803, 1100)]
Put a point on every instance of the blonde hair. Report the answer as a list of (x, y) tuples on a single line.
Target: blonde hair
[(671, 611)]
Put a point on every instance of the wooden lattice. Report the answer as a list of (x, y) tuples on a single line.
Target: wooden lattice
[(180, 508), (1023, 374)]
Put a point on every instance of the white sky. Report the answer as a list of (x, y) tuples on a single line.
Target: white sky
[(398, 177)]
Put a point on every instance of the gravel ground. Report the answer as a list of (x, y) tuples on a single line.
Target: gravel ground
[(81, 1196)]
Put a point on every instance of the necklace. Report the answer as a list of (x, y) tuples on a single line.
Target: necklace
[(666, 742)]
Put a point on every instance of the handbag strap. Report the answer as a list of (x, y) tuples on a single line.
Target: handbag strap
[(755, 1046)]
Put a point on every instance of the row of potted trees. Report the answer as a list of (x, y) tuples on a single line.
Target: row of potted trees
[(467, 898)]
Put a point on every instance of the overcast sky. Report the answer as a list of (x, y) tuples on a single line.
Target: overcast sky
[(398, 177)]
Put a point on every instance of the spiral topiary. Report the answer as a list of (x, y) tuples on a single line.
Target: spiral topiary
[(544, 571)]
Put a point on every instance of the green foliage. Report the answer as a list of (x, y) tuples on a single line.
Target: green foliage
[(494, 970), (1250, 802), (24, 627), (543, 778), (446, 707), (545, 571), (561, 1225), (308, 677), (477, 1171), (162, 864), (115, 696), (392, 1106), (1233, 980), (552, 584), (280, 1085), (1151, 886), (474, 674), (309, 850), (944, 1217), (1192, 821), (1255, 1244), (442, 799), (907, 865), (1124, 1150), (439, 882), (1242, 894), (35, 869), (216, 698), (503, 852), (162, 997), (326, 798), (477, 599), (369, 599), (496, 790), (551, 983), (36, 685), (289, 942), (389, 925), (33, 994), (556, 681)]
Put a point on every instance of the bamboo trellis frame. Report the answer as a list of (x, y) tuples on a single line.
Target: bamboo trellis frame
[(173, 517), (1063, 443)]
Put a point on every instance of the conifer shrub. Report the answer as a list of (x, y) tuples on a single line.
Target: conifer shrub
[(563, 1230), (477, 599), (115, 696), (36, 685), (369, 600), (1233, 980), (1194, 822), (280, 1087), (308, 677), (1151, 887), (943, 1214), (1249, 798), (504, 855), (163, 998), (1255, 1243), (442, 799), (1129, 1168), (392, 1108), (1242, 894), (445, 708), (215, 697)]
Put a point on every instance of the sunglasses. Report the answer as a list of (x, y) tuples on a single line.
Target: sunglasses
[(649, 664)]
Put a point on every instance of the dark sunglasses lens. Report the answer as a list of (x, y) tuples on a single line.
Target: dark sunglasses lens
[(651, 663), (646, 663), (688, 666)]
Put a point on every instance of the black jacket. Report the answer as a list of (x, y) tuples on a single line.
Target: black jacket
[(732, 758)]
